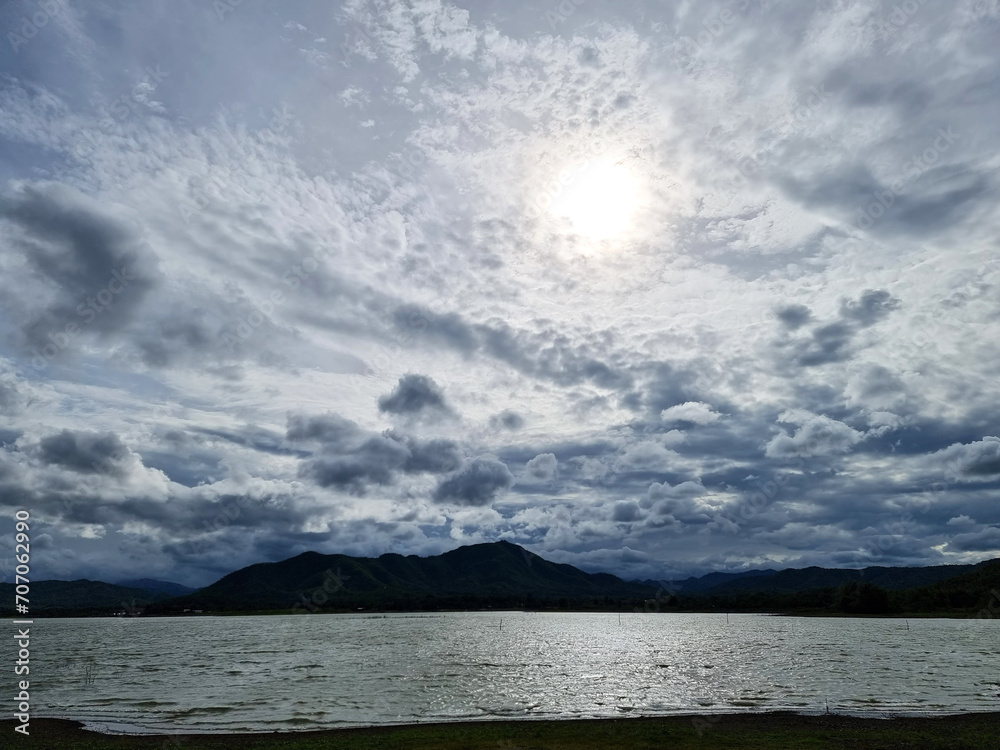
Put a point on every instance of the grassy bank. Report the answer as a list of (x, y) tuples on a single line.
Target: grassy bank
[(759, 732)]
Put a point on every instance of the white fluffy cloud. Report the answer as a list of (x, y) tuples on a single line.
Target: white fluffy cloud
[(816, 435), (691, 411)]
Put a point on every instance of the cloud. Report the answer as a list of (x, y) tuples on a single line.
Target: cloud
[(375, 461), (977, 461), (436, 456), (13, 399), (89, 268), (507, 419), (833, 341), (332, 430), (794, 316), (694, 412), (415, 394), (817, 435), (542, 467), (647, 455), (85, 452), (680, 503), (547, 354), (987, 539), (479, 483), (871, 307), (625, 512), (962, 520), (876, 387), (351, 458)]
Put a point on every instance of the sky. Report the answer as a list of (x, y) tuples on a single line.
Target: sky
[(653, 288)]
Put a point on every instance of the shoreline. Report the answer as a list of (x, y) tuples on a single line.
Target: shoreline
[(125, 729), (379, 614), (760, 730)]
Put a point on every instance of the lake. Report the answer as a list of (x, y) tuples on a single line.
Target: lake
[(227, 674)]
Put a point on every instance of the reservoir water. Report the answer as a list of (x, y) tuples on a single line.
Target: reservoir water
[(226, 674)]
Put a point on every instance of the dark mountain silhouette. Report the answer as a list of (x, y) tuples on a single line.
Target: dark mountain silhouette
[(698, 584), (66, 596), (943, 589), (154, 586), (976, 591), (501, 573), (504, 575), (804, 579)]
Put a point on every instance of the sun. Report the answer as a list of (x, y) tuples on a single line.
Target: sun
[(598, 199)]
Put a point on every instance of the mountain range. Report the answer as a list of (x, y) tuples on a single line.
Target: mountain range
[(503, 575)]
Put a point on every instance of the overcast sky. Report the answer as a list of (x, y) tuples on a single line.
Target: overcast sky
[(656, 288)]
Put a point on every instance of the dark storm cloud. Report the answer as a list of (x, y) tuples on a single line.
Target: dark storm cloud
[(508, 420), (352, 458), (191, 469), (98, 268), (86, 452), (435, 456), (448, 329), (548, 355), (626, 511), (872, 306), (878, 384), (986, 540), (794, 316), (929, 200), (333, 430), (831, 342), (414, 394), (375, 461), (666, 385), (479, 483), (979, 460), (175, 338)]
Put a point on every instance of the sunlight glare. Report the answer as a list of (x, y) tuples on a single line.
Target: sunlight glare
[(598, 200)]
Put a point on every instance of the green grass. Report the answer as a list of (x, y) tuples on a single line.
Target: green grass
[(757, 732)]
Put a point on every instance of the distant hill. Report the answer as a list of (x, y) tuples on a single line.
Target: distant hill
[(66, 596), (497, 574), (941, 589), (804, 579), (698, 584), (157, 587), (504, 575), (976, 591)]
